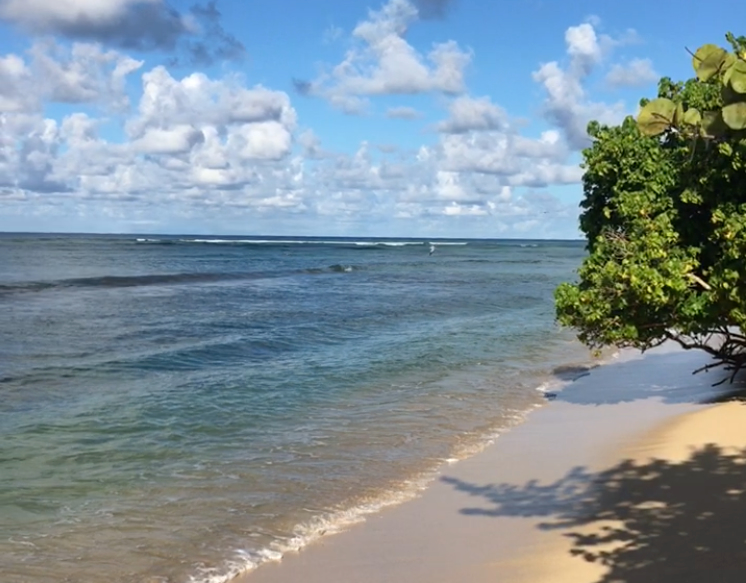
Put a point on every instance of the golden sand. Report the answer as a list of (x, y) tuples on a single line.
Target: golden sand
[(649, 489)]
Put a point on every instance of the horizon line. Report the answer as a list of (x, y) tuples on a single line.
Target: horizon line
[(423, 237)]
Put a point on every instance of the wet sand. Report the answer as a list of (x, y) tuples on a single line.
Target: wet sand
[(626, 476)]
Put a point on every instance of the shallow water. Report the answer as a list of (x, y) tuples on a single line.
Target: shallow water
[(182, 409)]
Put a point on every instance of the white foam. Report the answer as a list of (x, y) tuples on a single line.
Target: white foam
[(387, 243), (335, 522), (245, 561), (478, 446), (544, 387), (298, 242), (363, 243)]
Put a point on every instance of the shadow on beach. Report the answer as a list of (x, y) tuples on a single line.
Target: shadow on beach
[(666, 374), (651, 522)]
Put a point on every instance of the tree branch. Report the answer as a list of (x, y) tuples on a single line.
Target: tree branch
[(700, 281)]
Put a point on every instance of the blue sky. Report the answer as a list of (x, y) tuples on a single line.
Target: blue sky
[(431, 118)]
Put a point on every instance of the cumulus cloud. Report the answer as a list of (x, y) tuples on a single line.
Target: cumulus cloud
[(142, 25), (205, 148), (267, 140), (382, 62), (80, 74), (636, 73), (15, 86), (174, 140), (567, 104), (167, 101), (311, 145), (520, 160), (583, 47), (83, 73), (469, 113), (28, 149), (186, 135)]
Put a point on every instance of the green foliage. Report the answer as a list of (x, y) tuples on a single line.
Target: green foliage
[(719, 69), (664, 214)]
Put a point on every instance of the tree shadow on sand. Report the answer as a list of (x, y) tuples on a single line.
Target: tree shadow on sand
[(652, 522), (666, 376)]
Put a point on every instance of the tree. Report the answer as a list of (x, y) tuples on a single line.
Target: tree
[(664, 214)]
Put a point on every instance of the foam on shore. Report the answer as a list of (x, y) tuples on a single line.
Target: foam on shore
[(244, 562)]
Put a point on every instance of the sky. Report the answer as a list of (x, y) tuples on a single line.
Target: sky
[(391, 118)]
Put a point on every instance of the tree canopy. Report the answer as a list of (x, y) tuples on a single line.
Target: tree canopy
[(664, 213)]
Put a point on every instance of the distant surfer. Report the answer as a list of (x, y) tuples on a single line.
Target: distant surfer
[(432, 249)]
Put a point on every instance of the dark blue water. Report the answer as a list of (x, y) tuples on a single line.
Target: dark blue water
[(189, 407)]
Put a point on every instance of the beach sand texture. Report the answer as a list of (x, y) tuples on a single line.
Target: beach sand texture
[(626, 477)]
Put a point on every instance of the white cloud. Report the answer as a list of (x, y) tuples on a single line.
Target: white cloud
[(219, 123), (382, 62), (567, 104), (167, 101), (199, 148), (174, 140), (455, 209), (468, 113), (16, 93), (501, 153), (311, 145), (79, 130), (195, 132), (269, 140), (582, 46), (83, 74), (635, 73), (28, 149)]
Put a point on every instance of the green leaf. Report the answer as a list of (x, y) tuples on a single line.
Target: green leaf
[(734, 115), (692, 117), (678, 115), (725, 149), (708, 60), (691, 196), (736, 76), (656, 116), (729, 61)]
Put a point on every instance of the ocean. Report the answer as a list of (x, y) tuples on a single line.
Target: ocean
[(182, 409)]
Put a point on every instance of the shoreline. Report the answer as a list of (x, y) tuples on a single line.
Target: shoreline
[(348, 517), (441, 535)]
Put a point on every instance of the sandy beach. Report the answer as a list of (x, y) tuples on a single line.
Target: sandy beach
[(627, 476)]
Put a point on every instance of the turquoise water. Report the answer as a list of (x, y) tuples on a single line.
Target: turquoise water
[(185, 408)]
